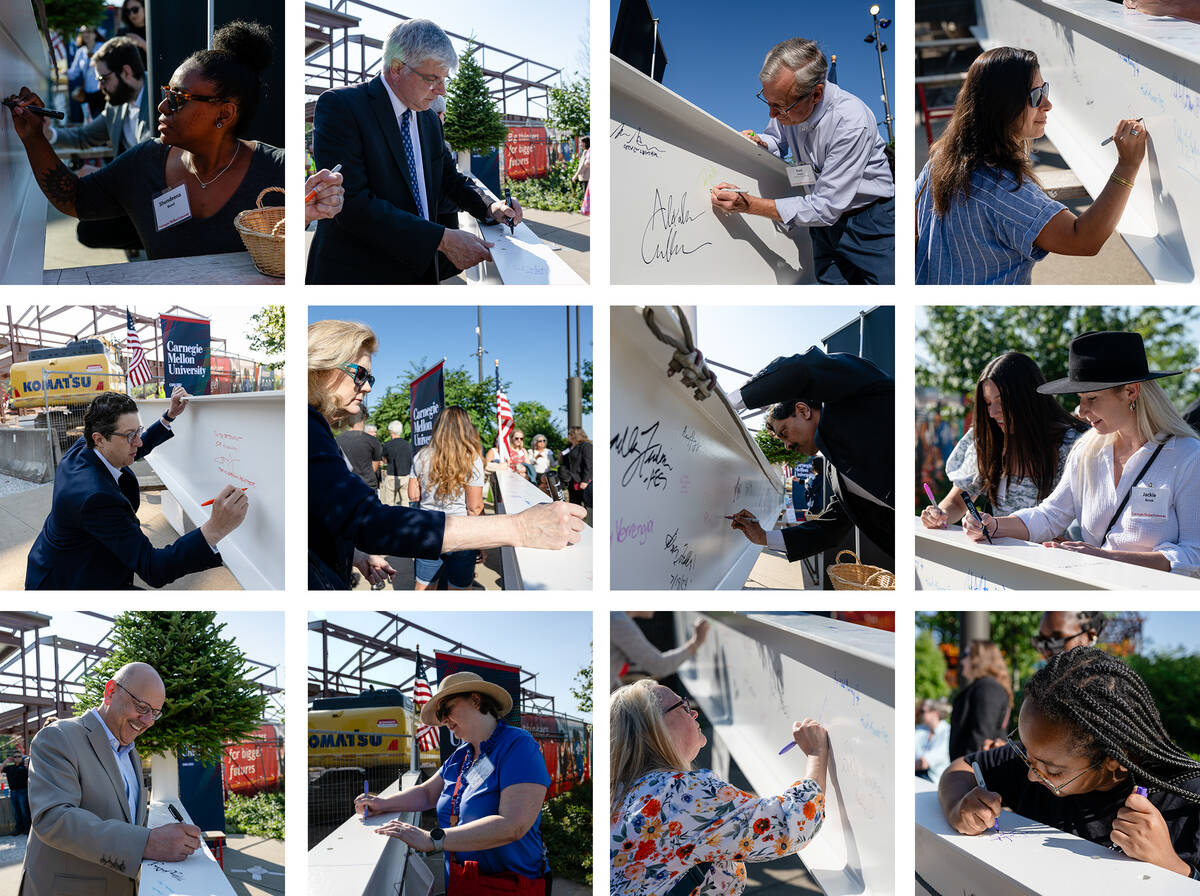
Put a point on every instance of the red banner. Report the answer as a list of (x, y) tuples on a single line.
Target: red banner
[(525, 153)]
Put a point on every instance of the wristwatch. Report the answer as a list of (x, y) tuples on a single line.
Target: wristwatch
[(167, 416), (437, 835)]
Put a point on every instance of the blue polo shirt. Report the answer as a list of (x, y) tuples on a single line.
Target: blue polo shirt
[(510, 756)]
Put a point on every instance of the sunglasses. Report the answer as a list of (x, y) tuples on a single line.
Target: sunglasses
[(684, 702), (1039, 93), (358, 373), (177, 99), (1056, 789), (443, 711), (143, 708)]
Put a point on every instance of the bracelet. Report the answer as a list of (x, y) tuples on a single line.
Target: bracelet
[(1122, 181)]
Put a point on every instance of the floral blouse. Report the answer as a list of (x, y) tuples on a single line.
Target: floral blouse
[(962, 469), (670, 821)]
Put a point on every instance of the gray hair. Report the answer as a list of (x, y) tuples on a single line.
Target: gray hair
[(371, 429), (801, 57), (415, 41), (396, 428)]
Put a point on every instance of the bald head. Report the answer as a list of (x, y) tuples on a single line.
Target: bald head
[(133, 700)]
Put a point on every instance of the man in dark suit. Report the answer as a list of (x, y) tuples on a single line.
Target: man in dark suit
[(92, 538), (842, 406), (396, 171)]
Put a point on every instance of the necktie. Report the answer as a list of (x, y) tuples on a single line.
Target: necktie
[(129, 487), (413, 174)]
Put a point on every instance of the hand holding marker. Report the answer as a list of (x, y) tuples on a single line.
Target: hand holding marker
[(983, 786), (1108, 140), (210, 501), (313, 193), (36, 110)]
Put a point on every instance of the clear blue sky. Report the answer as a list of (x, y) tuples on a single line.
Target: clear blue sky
[(553, 645), (529, 342), (1164, 631), (715, 50)]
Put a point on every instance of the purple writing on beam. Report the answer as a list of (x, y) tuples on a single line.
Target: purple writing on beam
[(638, 532)]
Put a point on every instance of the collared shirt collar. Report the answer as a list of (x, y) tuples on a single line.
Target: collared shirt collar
[(116, 474), (818, 111), (397, 106), (120, 749)]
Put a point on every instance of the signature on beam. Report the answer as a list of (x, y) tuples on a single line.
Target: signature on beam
[(634, 143), (661, 239)]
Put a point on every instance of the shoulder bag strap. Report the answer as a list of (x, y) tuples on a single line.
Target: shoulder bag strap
[(1129, 491), (691, 879)]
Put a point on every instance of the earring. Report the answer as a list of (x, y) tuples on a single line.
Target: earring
[(1133, 405), (219, 124)]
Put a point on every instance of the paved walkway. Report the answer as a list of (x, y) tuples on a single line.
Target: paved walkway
[(63, 249)]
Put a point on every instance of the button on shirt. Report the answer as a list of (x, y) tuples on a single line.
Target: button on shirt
[(399, 108), (840, 140), (1086, 493), (128, 774)]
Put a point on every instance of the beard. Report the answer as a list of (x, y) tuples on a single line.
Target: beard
[(121, 94)]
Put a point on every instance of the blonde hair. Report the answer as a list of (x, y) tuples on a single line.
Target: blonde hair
[(452, 452), (577, 435), (987, 661), (332, 343), (1156, 418), (638, 739)]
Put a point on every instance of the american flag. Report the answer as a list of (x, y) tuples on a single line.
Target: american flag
[(504, 425), (139, 367), (427, 735)]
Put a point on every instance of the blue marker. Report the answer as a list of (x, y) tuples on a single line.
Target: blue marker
[(366, 794), (1141, 791), (790, 744), (979, 780)]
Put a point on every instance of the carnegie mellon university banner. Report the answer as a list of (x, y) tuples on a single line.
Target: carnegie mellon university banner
[(187, 353), (426, 398)]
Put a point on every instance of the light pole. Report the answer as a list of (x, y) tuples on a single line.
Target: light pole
[(880, 49)]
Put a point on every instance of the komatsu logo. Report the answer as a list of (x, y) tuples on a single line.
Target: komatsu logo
[(55, 383), (342, 741)]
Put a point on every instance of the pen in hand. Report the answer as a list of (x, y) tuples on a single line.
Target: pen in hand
[(1108, 140)]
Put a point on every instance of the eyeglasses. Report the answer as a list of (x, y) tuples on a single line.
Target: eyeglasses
[(176, 99), (443, 710), (684, 702), (1039, 93), (1056, 789), (431, 81), (132, 436), (358, 373), (143, 708), (780, 110), (1043, 644), (518, 438)]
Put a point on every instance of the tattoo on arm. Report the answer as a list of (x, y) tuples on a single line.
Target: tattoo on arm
[(61, 188)]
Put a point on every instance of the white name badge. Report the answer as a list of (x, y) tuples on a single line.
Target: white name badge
[(171, 207), (1148, 503), (479, 772), (801, 175)]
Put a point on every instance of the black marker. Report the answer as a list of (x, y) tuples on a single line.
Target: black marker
[(975, 516), (36, 110), (508, 201), (175, 812)]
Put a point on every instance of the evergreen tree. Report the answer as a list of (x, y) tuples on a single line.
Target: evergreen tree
[(472, 120), (209, 699)]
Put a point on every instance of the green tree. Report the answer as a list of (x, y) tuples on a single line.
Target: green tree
[(209, 698), (775, 451), (68, 16), (569, 108), (1011, 631), (269, 334), (472, 121), (582, 691), (533, 417), (479, 400), (930, 668), (587, 387), (1173, 678)]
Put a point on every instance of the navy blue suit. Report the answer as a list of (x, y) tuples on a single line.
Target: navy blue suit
[(378, 237), (855, 436), (92, 538), (344, 513)]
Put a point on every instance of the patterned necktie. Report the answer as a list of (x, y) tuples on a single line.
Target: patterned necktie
[(406, 142), (128, 485)]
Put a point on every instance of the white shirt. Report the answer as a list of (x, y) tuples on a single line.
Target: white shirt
[(133, 111), (1086, 493), (399, 108), (128, 774)]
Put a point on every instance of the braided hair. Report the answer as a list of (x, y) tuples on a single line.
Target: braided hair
[(1111, 713)]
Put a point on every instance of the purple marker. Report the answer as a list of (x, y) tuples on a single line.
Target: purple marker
[(929, 492), (1141, 791), (366, 794), (789, 745)]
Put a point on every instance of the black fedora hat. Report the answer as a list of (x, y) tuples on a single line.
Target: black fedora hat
[(1103, 360)]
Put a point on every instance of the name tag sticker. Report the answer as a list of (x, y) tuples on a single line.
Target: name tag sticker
[(1149, 503), (479, 772), (171, 207), (801, 175)]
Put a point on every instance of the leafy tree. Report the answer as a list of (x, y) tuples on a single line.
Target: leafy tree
[(68, 16), (569, 108), (774, 449), (472, 121), (532, 417), (1173, 678), (268, 335), (583, 692), (930, 668), (209, 698), (556, 192), (478, 399), (1011, 631)]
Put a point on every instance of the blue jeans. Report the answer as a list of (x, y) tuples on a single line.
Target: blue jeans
[(460, 569), (20, 801)]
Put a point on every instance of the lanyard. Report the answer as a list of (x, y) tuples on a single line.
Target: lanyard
[(1128, 492)]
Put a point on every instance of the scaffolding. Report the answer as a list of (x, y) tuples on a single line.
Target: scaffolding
[(521, 86)]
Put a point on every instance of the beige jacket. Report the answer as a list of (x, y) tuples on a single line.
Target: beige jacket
[(83, 842)]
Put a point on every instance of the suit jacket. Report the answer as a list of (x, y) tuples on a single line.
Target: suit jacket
[(82, 841), (106, 129), (855, 436), (92, 538), (344, 513), (378, 237)]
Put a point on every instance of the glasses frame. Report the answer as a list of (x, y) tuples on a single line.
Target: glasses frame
[(431, 81), (685, 702), (176, 99), (361, 375), (1057, 789), (138, 703), (132, 436), (1043, 93), (776, 109)]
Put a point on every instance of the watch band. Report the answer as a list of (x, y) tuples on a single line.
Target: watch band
[(437, 835), (167, 416)]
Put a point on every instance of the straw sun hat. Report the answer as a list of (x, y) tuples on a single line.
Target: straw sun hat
[(464, 683)]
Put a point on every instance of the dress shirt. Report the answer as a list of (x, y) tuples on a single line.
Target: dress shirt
[(1086, 493), (128, 774), (842, 143), (399, 108), (133, 114)]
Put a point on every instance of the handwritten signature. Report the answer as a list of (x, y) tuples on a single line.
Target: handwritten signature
[(689, 436), (661, 239), (634, 142), (681, 554), (649, 463)]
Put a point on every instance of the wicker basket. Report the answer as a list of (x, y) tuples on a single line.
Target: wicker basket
[(262, 232), (859, 576)]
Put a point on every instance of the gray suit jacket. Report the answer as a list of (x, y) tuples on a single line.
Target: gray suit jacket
[(105, 129), (82, 842)]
